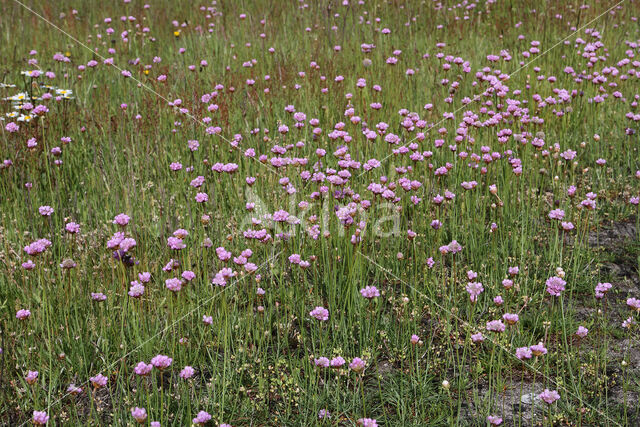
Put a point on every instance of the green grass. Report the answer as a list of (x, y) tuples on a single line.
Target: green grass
[(255, 363)]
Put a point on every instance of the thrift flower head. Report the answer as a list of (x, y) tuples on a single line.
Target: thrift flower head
[(202, 418), (161, 361), (139, 414), (40, 418), (549, 396), (320, 313), (555, 285), (370, 292)]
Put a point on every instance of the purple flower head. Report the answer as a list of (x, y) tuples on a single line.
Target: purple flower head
[(320, 313), (549, 396), (370, 292), (161, 361), (202, 418), (40, 418), (139, 414), (357, 364), (555, 285)]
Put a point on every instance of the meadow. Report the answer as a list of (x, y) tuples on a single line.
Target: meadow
[(319, 212)]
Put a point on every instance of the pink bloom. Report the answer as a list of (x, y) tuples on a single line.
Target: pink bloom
[(187, 372), (555, 285), (98, 381), (139, 414), (538, 349), (495, 326), (40, 418), (161, 361), (320, 313), (549, 396), (202, 418), (582, 331), (121, 219), (370, 292), (23, 314), (357, 364)]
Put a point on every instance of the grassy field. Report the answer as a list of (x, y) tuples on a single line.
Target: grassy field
[(321, 212)]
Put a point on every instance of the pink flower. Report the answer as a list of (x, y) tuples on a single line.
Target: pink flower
[(40, 418), (23, 314), (582, 331), (357, 364), (187, 372), (634, 304), (477, 337), (370, 292), (45, 210), (142, 369), (556, 214), (161, 361), (202, 418), (121, 219), (555, 285), (496, 326), (320, 313), (494, 420), (139, 414), (98, 381), (538, 349), (523, 353), (549, 396)]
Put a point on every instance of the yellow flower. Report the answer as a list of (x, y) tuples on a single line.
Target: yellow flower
[(146, 72), (176, 33), (67, 54)]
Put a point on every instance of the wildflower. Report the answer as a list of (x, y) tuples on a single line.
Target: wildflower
[(337, 362), (370, 292), (23, 314), (161, 361), (31, 377), (45, 210), (634, 304), (357, 364), (556, 214), (477, 337), (367, 422), (602, 289), (415, 339), (555, 285), (494, 420), (136, 290), (549, 396), (98, 296), (538, 349), (474, 289), (98, 381), (510, 318), (582, 331), (72, 228), (139, 414), (323, 362), (174, 284), (495, 326), (202, 418), (121, 219), (187, 372), (320, 313), (74, 390), (40, 418), (324, 414), (523, 353), (142, 369)]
